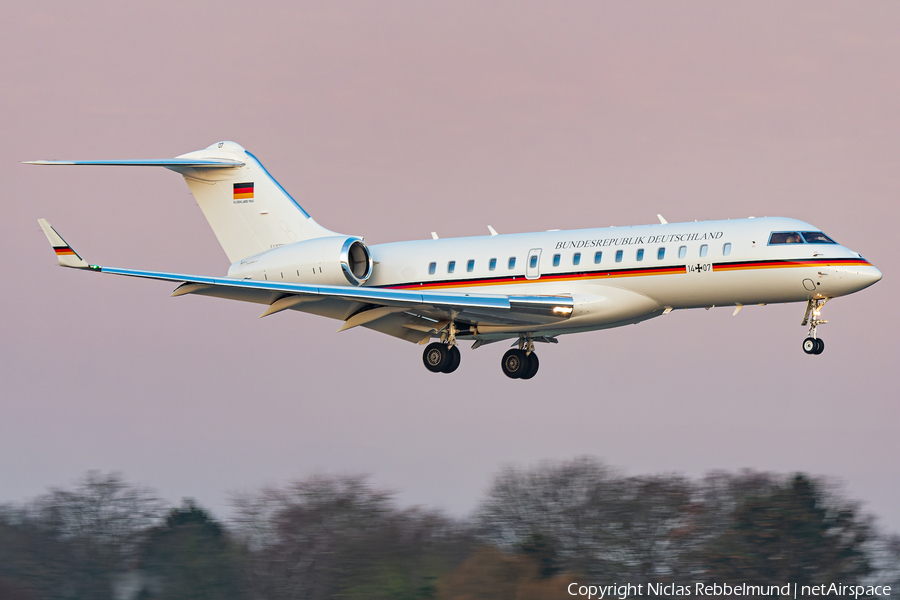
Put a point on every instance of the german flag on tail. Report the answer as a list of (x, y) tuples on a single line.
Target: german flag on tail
[(243, 191)]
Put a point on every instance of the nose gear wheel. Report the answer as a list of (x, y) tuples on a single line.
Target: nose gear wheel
[(813, 345)]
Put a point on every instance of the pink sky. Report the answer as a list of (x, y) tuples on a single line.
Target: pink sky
[(395, 119)]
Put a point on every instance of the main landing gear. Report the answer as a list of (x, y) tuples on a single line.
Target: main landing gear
[(517, 363), (521, 362), (813, 344), (443, 356)]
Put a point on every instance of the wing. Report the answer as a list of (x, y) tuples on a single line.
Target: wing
[(414, 316)]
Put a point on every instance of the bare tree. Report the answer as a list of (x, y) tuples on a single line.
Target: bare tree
[(801, 531), (597, 522), (71, 543), (338, 536)]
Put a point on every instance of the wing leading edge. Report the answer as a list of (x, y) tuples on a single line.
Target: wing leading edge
[(419, 313)]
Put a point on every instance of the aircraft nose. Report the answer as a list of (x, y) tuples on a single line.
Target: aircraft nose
[(863, 277), (870, 275), (852, 278)]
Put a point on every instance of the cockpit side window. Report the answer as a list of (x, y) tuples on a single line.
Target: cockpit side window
[(817, 237), (785, 237)]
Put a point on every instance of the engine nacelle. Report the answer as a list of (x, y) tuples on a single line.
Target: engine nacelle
[(333, 260)]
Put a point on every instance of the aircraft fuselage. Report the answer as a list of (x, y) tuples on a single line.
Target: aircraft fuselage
[(616, 274)]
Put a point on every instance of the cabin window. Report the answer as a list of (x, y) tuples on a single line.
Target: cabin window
[(432, 267), (556, 260), (817, 237), (597, 257), (704, 249), (470, 266), (640, 254), (682, 251), (660, 254), (512, 262), (451, 266), (785, 237), (576, 258), (726, 249), (532, 263), (619, 254), (492, 264)]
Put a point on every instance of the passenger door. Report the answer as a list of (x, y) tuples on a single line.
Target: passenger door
[(533, 264)]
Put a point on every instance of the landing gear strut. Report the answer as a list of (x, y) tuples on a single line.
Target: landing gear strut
[(521, 362), (813, 344)]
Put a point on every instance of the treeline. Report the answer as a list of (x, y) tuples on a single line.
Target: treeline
[(536, 531)]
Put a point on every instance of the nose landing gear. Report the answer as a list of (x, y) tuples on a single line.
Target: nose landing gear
[(813, 344)]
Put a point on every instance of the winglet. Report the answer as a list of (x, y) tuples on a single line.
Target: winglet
[(66, 256)]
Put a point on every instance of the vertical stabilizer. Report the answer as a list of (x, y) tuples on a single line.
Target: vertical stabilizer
[(247, 209)]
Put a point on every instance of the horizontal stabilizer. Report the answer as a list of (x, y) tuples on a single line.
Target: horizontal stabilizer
[(65, 255), (245, 206), (194, 163)]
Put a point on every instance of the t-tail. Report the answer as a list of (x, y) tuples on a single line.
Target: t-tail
[(247, 209)]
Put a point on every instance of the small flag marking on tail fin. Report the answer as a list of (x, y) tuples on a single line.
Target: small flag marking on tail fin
[(64, 251), (243, 191)]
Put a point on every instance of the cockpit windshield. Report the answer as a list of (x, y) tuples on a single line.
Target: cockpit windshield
[(817, 237), (785, 237), (799, 237)]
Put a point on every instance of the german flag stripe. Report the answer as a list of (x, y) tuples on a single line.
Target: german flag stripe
[(243, 187), (640, 272), (64, 251), (241, 196), (787, 264)]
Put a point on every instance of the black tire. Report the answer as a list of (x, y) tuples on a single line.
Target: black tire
[(435, 357), (810, 345), (820, 346), (453, 359), (533, 365), (514, 363)]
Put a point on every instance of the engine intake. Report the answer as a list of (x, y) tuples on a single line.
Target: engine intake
[(356, 261)]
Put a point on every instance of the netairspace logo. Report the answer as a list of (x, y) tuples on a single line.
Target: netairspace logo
[(790, 590)]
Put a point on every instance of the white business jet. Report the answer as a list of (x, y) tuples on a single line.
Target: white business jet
[(528, 287)]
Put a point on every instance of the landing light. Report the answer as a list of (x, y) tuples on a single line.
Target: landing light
[(562, 309)]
